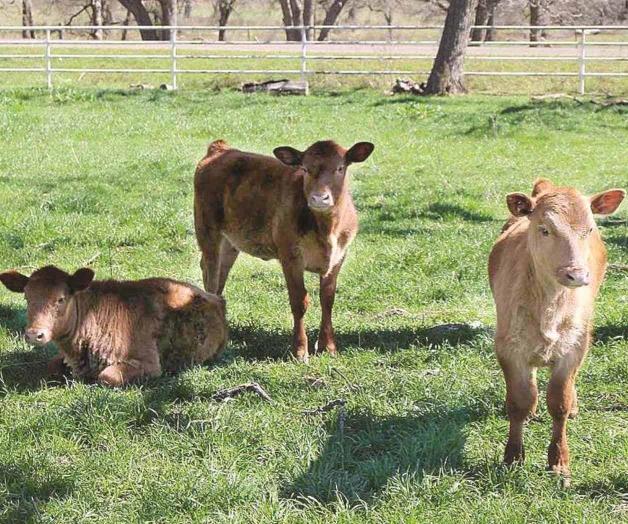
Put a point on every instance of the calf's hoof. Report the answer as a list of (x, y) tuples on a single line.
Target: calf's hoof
[(330, 347), (301, 355), (563, 473), (514, 454)]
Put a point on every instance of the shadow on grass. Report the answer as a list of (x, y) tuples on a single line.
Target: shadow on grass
[(615, 485), (357, 462), (390, 221), (26, 369), (255, 343), (29, 487), (606, 333)]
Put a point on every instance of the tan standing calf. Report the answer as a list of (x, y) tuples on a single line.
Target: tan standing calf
[(545, 271)]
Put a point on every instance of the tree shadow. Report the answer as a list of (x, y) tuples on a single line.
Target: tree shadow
[(613, 485), (390, 221), (358, 459), (619, 240), (446, 210), (29, 486), (607, 333)]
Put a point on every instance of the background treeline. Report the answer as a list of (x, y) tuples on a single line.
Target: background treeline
[(296, 12)]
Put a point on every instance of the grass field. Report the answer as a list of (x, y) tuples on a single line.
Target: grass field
[(105, 178)]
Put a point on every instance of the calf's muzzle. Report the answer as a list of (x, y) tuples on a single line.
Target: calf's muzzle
[(574, 276)]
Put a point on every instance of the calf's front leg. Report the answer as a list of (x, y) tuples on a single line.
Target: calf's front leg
[(521, 399), (560, 397), (122, 373), (299, 302), (326, 336)]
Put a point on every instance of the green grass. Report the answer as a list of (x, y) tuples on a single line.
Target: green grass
[(106, 177)]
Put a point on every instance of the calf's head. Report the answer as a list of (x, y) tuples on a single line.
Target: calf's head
[(325, 165), (49, 292), (562, 227)]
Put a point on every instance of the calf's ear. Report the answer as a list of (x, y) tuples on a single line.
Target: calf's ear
[(541, 185), (606, 203), (519, 204), (81, 279), (359, 152), (14, 281), (289, 155)]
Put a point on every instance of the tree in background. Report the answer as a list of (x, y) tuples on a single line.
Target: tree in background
[(446, 76), (301, 12), (27, 19), (484, 15), (539, 15), (163, 13), (296, 13), (223, 8)]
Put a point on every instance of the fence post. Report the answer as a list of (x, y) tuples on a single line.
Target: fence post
[(582, 70), (48, 59), (173, 56), (304, 58)]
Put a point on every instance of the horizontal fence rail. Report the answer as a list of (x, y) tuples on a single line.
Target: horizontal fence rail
[(187, 42)]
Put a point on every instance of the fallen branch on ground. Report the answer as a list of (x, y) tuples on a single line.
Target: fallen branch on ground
[(233, 392), (326, 408)]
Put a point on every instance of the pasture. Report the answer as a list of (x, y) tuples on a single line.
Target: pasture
[(105, 178)]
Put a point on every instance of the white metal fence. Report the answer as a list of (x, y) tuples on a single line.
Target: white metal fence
[(577, 48)]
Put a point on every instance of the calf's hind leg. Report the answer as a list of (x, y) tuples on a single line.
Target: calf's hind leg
[(208, 238), (228, 255)]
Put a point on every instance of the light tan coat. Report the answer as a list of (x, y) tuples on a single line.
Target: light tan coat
[(545, 271)]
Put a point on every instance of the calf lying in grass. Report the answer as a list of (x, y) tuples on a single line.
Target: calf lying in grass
[(118, 332)]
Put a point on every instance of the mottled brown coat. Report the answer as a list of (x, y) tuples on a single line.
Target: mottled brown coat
[(297, 209), (545, 271), (116, 332)]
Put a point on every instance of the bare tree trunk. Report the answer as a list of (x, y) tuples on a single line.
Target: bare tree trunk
[(97, 34), (142, 17), (187, 8), (27, 19), (539, 15), (490, 33), (168, 8), (225, 8), (125, 24), (308, 16), (447, 72), (481, 17), (331, 16), (292, 35)]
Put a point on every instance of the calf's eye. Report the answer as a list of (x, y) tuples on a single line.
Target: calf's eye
[(60, 300), (544, 231)]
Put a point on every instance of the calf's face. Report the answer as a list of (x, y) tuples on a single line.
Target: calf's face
[(325, 168), (561, 226), (48, 292)]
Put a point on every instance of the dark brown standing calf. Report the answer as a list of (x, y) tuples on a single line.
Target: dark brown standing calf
[(297, 209), (119, 332), (545, 271)]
